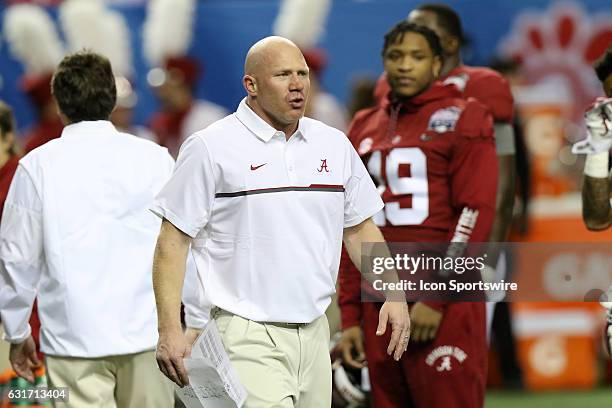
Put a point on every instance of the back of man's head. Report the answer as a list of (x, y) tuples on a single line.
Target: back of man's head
[(447, 18), (84, 87)]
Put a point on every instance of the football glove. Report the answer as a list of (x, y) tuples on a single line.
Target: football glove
[(598, 119)]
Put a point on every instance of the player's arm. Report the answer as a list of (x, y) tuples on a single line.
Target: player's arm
[(596, 186), (493, 91), (21, 265), (596, 210), (506, 186)]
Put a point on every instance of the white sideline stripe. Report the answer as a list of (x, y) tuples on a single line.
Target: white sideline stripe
[(573, 322), (569, 204)]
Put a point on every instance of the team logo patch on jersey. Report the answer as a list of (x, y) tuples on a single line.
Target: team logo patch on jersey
[(442, 358), (444, 120)]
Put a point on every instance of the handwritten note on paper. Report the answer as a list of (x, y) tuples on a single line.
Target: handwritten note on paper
[(188, 396), (212, 379), (208, 385)]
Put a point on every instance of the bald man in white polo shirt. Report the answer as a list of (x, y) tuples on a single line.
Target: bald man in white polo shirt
[(265, 197)]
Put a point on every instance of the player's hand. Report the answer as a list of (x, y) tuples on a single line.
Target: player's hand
[(172, 348), (351, 346), (23, 359), (598, 118), (608, 333), (395, 313), (425, 322)]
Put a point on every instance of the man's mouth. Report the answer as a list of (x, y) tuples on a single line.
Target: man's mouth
[(296, 102), (405, 81)]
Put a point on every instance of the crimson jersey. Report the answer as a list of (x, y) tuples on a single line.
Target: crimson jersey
[(489, 87), (433, 160)]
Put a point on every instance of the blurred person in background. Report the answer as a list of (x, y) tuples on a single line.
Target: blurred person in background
[(502, 335), (47, 124), (123, 114), (93, 25), (511, 70), (322, 105), (175, 74), (76, 233), (492, 90), (423, 145), (362, 95), (34, 41), (181, 113), (596, 209), (9, 152)]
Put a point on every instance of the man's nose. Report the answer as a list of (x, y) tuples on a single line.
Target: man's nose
[(406, 64), (297, 82)]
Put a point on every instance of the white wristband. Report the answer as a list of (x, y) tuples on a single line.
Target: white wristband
[(596, 165)]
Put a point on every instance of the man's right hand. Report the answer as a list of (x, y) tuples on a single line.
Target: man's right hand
[(172, 348), (191, 335), (395, 313), (24, 359), (351, 346)]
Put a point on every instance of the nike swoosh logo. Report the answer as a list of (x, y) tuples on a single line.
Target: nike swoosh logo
[(256, 167)]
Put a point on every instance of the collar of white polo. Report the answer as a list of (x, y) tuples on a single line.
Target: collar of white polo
[(260, 127), (89, 127)]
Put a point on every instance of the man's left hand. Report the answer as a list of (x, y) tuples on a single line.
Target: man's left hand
[(425, 322), (24, 359), (395, 313)]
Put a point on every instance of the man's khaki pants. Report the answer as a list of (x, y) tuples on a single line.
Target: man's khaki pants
[(280, 365), (125, 381)]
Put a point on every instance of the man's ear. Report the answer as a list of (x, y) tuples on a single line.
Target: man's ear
[(437, 66), (250, 85)]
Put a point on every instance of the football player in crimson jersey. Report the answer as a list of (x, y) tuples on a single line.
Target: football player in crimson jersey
[(432, 154), (596, 189), (492, 90)]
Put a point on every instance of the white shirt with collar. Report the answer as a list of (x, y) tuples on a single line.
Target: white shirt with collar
[(76, 232), (267, 214)]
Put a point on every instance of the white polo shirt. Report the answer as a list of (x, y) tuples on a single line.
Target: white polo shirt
[(267, 215)]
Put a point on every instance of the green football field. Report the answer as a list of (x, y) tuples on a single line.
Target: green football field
[(599, 398)]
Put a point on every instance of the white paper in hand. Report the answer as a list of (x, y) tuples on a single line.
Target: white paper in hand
[(212, 378)]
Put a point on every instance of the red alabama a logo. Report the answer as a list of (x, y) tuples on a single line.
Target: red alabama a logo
[(323, 166)]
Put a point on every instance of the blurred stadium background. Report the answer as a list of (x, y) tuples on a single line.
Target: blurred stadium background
[(558, 343)]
